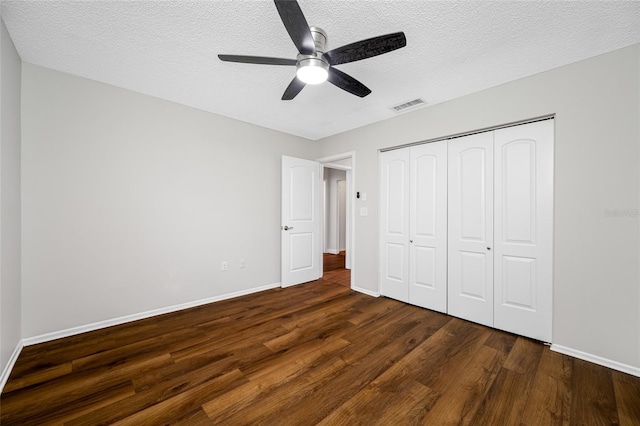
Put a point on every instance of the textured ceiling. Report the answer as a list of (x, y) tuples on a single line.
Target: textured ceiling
[(169, 49)]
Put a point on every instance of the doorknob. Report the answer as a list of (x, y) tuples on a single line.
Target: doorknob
[(286, 228)]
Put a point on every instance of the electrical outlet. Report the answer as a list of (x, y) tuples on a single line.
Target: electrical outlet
[(242, 263), (224, 265)]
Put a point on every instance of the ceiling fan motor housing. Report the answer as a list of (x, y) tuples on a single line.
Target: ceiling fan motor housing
[(320, 38), (316, 60)]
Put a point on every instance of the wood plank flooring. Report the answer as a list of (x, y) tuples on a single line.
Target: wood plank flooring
[(333, 268), (317, 353)]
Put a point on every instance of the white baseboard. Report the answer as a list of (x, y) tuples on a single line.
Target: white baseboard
[(615, 365), (134, 317), (332, 251), (365, 291), (9, 367)]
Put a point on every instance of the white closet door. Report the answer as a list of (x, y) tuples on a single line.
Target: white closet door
[(524, 229), (394, 224), (470, 292), (428, 226)]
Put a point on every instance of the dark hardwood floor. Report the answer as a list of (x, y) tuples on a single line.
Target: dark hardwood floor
[(334, 270), (317, 353)]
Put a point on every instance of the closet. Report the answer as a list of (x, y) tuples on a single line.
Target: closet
[(466, 227)]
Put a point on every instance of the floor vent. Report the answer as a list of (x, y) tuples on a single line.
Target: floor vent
[(405, 106)]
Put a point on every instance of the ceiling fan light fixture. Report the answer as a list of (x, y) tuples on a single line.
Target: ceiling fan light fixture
[(312, 70)]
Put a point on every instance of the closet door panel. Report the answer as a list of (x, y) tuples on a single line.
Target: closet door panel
[(470, 263), (428, 226), (523, 229), (394, 224)]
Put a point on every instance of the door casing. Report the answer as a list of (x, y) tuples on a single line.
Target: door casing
[(319, 211)]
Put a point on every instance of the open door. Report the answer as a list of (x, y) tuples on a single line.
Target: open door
[(300, 228)]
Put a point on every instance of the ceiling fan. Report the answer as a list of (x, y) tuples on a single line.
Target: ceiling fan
[(314, 64)]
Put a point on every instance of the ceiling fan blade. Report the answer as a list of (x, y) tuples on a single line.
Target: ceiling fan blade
[(293, 89), (348, 83), (257, 60), (296, 24), (366, 48)]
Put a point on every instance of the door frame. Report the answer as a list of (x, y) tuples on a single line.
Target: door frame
[(350, 262)]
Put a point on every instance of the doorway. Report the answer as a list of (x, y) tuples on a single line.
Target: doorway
[(337, 257)]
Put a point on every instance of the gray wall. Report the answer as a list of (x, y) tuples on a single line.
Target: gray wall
[(130, 203), (597, 107), (10, 308)]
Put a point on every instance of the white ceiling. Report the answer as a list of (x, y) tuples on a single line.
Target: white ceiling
[(169, 49)]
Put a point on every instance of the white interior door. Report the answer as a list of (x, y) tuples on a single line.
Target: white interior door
[(470, 171), (428, 226), (301, 206), (394, 224), (524, 229)]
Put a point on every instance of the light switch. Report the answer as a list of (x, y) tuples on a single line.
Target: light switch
[(363, 196), (364, 211)]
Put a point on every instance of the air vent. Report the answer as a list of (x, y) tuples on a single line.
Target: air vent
[(405, 106)]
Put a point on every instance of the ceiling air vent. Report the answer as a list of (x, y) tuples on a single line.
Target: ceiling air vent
[(407, 105)]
